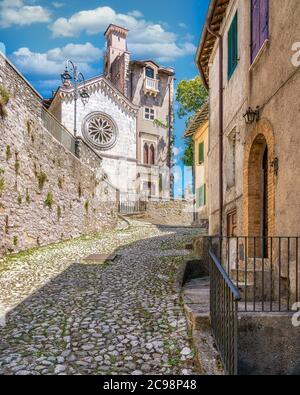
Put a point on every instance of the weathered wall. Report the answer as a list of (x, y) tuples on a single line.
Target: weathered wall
[(47, 194), (271, 83), (172, 212), (268, 345)]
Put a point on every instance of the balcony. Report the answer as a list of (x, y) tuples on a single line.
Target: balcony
[(151, 86)]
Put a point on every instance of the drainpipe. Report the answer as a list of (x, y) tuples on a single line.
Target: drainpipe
[(221, 122)]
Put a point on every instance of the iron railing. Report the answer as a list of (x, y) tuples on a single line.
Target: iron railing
[(58, 131), (265, 270), (132, 206), (224, 299)]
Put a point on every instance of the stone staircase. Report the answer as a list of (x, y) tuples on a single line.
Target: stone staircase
[(254, 280)]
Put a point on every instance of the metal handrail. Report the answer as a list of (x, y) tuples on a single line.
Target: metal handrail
[(57, 121), (224, 300), (58, 131), (234, 290)]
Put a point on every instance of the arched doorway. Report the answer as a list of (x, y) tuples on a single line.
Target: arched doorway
[(259, 195), (265, 202)]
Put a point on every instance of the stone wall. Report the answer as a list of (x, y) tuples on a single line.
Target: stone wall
[(268, 344), (46, 194), (170, 212)]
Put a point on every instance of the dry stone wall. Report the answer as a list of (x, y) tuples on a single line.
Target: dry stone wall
[(170, 212), (46, 193)]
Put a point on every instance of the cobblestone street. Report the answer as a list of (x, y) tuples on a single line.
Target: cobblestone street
[(122, 317)]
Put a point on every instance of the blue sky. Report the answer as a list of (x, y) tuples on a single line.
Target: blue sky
[(39, 35)]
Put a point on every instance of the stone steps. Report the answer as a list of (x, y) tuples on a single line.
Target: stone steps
[(196, 297), (251, 291), (254, 264), (250, 276)]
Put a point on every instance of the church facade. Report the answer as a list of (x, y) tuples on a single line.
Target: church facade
[(128, 119)]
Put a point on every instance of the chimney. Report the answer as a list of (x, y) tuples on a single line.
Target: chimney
[(117, 58)]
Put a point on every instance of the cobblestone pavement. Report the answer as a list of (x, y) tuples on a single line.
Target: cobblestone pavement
[(118, 318)]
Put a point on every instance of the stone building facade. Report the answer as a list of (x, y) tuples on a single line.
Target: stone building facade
[(260, 159), (131, 105), (47, 194)]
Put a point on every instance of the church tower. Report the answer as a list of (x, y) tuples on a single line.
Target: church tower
[(117, 58)]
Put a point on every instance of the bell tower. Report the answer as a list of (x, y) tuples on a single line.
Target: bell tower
[(117, 57)]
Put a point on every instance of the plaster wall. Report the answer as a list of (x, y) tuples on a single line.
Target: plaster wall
[(272, 83)]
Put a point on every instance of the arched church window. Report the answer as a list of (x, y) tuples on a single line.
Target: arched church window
[(146, 154), (100, 130), (152, 155)]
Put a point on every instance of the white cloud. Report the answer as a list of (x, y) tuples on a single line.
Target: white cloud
[(57, 4), (145, 38), (51, 63), (177, 151), (164, 52), (82, 53), (135, 14), (16, 12)]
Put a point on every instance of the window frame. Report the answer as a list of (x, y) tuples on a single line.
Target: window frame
[(152, 150), (201, 191), (262, 40), (231, 224), (150, 112), (149, 68), (202, 150), (233, 46), (145, 153)]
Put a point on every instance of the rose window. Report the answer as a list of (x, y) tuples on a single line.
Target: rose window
[(100, 130)]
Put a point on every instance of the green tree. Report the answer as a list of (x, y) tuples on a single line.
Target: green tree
[(191, 94)]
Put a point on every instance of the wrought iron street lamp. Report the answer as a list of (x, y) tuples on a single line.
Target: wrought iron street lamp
[(66, 78), (252, 115)]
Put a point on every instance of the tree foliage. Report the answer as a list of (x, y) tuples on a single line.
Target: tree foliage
[(191, 94)]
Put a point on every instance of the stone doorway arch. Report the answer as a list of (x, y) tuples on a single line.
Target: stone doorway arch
[(259, 186)]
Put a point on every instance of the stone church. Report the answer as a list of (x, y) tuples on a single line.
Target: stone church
[(128, 119)]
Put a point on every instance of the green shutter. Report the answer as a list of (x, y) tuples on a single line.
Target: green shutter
[(201, 153), (233, 46), (198, 197), (201, 196)]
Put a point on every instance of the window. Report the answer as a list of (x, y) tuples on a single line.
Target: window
[(149, 72), (146, 154), (230, 159), (201, 196), (233, 46), (232, 224), (160, 183), (100, 130), (201, 153), (259, 25), (149, 114), (152, 155)]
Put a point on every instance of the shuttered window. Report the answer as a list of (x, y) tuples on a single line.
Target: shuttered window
[(259, 25), (201, 196), (201, 153), (233, 46), (232, 224)]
